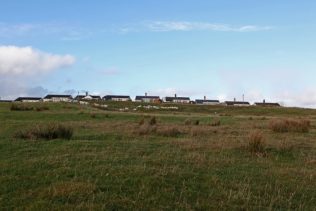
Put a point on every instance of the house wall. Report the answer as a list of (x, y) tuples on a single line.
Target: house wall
[(208, 103), (120, 99), (57, 99), (30, 101), (181, 101)]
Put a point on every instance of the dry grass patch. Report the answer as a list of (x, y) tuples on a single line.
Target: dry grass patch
[(290, 125), (66, 189), (191, 122), (168, 131), (215, 123)]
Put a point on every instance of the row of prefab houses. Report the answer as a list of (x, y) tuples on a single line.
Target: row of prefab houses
[(145, 98)]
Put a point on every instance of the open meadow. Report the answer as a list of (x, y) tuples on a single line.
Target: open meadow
[(180, 157)]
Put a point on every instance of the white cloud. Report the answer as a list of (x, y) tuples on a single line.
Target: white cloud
[(165, 26), (60, 31), (29, 61)]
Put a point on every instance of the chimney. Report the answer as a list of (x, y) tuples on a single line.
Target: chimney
[(204, 97), (175, 95), (234, 99), (87, 93), (146, 94), (264, 101), (243, 98)]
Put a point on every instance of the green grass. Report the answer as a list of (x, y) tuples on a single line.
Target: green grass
[(108, 165)]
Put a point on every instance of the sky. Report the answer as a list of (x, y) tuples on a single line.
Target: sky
[(221, 49)]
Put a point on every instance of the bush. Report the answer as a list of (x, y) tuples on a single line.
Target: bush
[(48, 132), (93, 115), (20, 107), (256, 142), (290, 125)]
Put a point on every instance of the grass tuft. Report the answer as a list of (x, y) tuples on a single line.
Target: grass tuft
[(290, 125), (256, 143), (48, 132), (152, 121), (20, 107), (215, 123)]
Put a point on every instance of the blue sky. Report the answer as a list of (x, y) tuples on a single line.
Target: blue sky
[(221, 49)]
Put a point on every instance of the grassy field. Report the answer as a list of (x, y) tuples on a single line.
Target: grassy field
[(189, 158)]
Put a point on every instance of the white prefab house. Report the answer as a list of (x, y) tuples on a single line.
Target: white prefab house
[(265, 104), (175, 99), (148, 99), (206, 102), (87, 97), (28, 99), (237, 103), (57, 98), (117, 98)]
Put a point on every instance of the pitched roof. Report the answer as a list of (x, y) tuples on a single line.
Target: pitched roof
[(146, 97), (27, 98), (206, 101), (237, 103), (61, 96), (110, 97)]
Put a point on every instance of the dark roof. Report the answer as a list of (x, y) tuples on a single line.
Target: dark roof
[(27, 98), (148, 97), (176, 98), (237, 103), (79, 97), (267, 104), (110, 97), (96, 96), (51, 96), (170, 99), (206, 101)]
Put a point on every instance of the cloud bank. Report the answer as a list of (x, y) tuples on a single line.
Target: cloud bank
[(29, 61)]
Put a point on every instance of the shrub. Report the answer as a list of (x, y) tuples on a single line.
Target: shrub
[(93, 115), (20, 107), (290, 125), (256, 142), (48, 132)]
